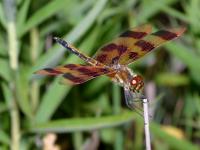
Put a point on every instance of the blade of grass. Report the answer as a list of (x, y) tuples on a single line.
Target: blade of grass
[(83, 124), (77, 11), (173, 142), (5, 71), (13, 51), (192, 12), (118, 144), (3, 45), (4, 138), (22, 14), (172, 79), (187, 57), (122, 9), (139, 131), (34, 53), (175, 13), (7, 95), (22, 93), (149, 8), (76, 124), (3, 107), (42, 14), (9, 98), (2, 16), (98, 83)]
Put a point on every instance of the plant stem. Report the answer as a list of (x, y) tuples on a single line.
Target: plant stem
[(10, 8), (15, 123), (15, 126), (12, 45), (146, 124), (118, 145), (77, 136), (34, 38), (116, 99)]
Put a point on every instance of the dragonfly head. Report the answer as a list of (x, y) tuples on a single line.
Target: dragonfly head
[(137, 83)]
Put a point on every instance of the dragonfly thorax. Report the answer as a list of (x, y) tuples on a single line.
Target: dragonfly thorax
[(125, 77)]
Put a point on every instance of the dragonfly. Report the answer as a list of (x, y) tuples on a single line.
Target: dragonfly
[(113, 58)]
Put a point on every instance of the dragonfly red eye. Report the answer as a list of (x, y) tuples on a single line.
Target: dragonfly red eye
[(136, 80)]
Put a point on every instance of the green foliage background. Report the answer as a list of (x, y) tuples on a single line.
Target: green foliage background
[(95, 113)]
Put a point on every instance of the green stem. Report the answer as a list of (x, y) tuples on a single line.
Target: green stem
[(118, 145), (10, 8), (77, 136), (15, 123), (34, 38), (12, 45), (77, 140), (116, 99), (15, 126)]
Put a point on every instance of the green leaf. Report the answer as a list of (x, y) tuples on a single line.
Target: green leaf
[(173, 142), (42, 14), (4, 138), (3, 107), (88, 124), (51, 100), (84, 124), (2, 16), (175, 13), (171, 79), (7, 95), (192, 13), (3, 45), (5, 69), (22, 14), (187, 56), (86, 23), (149, 8), (98, 83), (22, 93)]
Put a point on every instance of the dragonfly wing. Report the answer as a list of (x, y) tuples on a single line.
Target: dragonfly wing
[(128, 97), (148, 43), (75, 73), (131, 98), (111, 52)]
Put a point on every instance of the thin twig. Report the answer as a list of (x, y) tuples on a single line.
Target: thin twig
[(146, 125)]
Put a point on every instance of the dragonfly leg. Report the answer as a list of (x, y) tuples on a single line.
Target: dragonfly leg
[(131, 105), (131, 98)]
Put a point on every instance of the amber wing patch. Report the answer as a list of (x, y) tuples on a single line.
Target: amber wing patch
[(111, 52), (148, 43)]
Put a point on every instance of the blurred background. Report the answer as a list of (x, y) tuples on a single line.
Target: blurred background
[(39, 113)]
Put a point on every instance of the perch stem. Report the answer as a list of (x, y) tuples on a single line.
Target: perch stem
[(146, 125)]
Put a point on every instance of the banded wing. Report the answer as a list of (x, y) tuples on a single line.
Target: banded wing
[(111, 52), (148, 43), (75, 73)]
